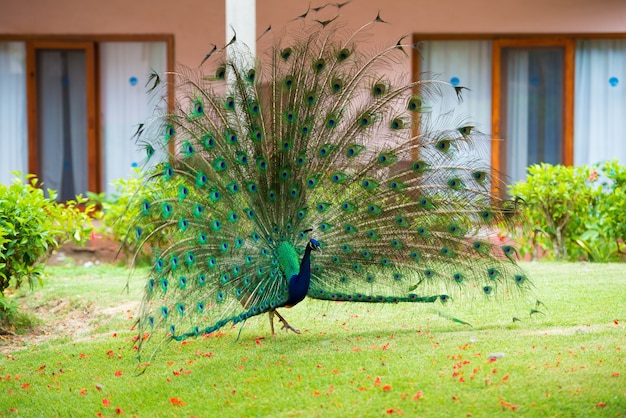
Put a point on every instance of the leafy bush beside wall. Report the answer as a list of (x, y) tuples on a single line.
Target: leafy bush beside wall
[(120, 211), (573, 213), (31, 227)]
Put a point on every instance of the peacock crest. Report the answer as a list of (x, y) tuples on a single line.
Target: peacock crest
[(311, 146)]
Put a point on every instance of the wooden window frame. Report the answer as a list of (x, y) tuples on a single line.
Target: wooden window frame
[(568, 45), (93, 143), (499, 41), (89, 43)]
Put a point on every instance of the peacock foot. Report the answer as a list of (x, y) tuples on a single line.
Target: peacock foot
[(285, 326)]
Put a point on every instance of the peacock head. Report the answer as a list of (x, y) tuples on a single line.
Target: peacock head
[(315, 245)]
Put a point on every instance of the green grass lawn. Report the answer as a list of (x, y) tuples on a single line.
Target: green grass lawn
[(350, 360)]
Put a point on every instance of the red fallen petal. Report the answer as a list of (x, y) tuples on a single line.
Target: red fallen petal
[(99, 387), (42, 367), (200, 353), (505, 377), (316, 393), (118, 373), (83, 391), (176, 402), (419, 395), (82, 355), (600, 405), (25, 386), (119, 411), (615, 322), (387, 388), (13, 409), (615, 374), (377, 381), (106, 402)]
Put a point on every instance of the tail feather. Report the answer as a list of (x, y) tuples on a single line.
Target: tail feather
[(313, 139)]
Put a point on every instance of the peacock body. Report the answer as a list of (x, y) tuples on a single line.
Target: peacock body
[(311, 147)]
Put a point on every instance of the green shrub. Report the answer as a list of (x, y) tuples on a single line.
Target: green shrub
[(31, 227), (120, 211), (604, 229), (614, 202), (556, 200), (569, 212)]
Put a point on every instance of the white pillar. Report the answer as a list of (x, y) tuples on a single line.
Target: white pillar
[(241, 15)]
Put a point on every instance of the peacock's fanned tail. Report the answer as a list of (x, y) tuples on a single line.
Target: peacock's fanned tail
[(312, 135)]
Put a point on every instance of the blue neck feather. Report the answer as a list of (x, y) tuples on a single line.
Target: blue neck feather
[(299, 283)]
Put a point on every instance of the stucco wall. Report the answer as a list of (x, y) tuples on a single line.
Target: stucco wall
[(195, 24), (471, 16)]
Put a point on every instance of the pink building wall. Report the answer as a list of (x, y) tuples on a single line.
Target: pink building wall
[(195, 24), (469, 16)]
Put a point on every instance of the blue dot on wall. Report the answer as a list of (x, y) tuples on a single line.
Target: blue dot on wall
[(133, 81), (613, 81), (134, 165), (455, 81)]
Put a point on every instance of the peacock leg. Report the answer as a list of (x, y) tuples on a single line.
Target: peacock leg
[(286, 325), (271, 316)]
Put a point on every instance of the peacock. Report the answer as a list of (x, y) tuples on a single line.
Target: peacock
[(308, 171)]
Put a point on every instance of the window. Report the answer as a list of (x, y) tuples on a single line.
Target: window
[(532, 107), (73, 120), (13, 143), (552, 99), (61, 116), (600, 101)]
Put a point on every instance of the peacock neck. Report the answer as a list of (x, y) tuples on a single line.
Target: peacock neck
[(305, 265), (299, 283)]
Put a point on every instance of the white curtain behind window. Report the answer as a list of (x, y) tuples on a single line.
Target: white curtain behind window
[(517, 115), (600, 101), (13, 141), (124, 72), (466, 64)]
